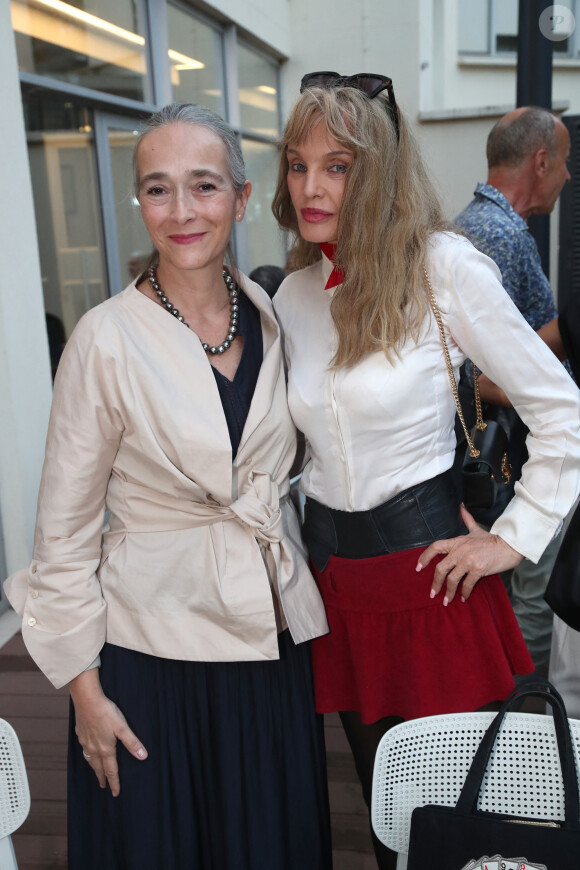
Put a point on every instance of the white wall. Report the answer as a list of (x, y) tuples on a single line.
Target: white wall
[(454, 151), (25, 383), (566, 85), (350, 36)]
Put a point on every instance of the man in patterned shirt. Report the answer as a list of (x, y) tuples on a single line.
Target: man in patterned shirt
[(527, 152)]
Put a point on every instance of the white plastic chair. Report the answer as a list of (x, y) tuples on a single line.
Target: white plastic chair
[(14, 793), (425, 761)]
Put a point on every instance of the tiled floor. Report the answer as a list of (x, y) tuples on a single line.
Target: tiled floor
[(39, 715), (352, 849)]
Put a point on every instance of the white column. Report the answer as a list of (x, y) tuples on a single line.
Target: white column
[(25, 382)]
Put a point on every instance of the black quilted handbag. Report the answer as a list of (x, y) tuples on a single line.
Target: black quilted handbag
[(485, 467)]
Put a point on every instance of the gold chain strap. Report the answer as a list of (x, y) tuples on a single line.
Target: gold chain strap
[(473, 451), (480, 422)]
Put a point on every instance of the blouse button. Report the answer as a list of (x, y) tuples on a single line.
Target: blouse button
[(35, 593), (33, 568), (31, 621)]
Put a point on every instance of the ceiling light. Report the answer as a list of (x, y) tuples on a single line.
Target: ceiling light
[(92, 20), (183, 61)]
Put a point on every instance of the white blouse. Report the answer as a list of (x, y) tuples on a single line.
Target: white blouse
[(378, 427)]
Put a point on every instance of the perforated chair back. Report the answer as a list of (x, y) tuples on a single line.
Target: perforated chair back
[(14, 793), (425, 761)]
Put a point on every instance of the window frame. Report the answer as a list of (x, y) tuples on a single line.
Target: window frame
[(572, 53), (216, 26), (249, 46)]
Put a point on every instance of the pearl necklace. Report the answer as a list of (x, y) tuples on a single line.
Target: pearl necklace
[(232, 288)]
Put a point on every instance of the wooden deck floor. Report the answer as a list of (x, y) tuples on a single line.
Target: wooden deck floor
[(39, 715)]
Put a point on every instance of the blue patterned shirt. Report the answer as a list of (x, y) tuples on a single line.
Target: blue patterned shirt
[(490, 222)]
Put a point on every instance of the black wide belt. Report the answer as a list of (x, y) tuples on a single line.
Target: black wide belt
[(415, 517)]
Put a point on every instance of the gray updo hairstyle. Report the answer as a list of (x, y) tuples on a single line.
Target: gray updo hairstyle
[(197, 116)]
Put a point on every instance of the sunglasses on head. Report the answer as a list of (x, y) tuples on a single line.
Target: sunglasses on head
[(367, 83)]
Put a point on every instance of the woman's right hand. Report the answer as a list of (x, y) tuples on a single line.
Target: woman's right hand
[(99, 724), (466, 559)]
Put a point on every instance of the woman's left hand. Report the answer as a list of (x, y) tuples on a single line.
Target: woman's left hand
[(468, 558)]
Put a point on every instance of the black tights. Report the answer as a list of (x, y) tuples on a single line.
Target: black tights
[(364, 740)]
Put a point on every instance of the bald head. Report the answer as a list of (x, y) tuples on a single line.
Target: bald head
[(519, 134), (527, 154)]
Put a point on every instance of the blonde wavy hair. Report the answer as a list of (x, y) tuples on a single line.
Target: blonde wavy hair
[(389, 210)]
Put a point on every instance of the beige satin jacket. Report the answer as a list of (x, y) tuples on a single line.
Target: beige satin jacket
[(197, 547)]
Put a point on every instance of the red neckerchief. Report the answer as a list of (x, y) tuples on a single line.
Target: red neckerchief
[(337, 275)]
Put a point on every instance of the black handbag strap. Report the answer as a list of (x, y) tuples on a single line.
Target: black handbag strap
[(467, 801)]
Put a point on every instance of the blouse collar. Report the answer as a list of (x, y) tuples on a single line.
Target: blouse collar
[(333, 274)]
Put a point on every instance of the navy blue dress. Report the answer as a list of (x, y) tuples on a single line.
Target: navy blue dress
[(236, 773)]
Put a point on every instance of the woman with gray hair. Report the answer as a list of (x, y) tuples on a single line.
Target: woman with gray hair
[(182, 631)]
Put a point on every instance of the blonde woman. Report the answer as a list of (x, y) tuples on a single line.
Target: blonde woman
[(419, 620)]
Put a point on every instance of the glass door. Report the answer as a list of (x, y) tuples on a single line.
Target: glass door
[(90, 235), (126, 240), (61, 150)]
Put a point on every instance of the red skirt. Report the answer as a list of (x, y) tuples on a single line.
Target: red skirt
[(394, 651)]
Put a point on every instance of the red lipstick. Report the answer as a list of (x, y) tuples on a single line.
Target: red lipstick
[(186, 238), (315, 215)]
